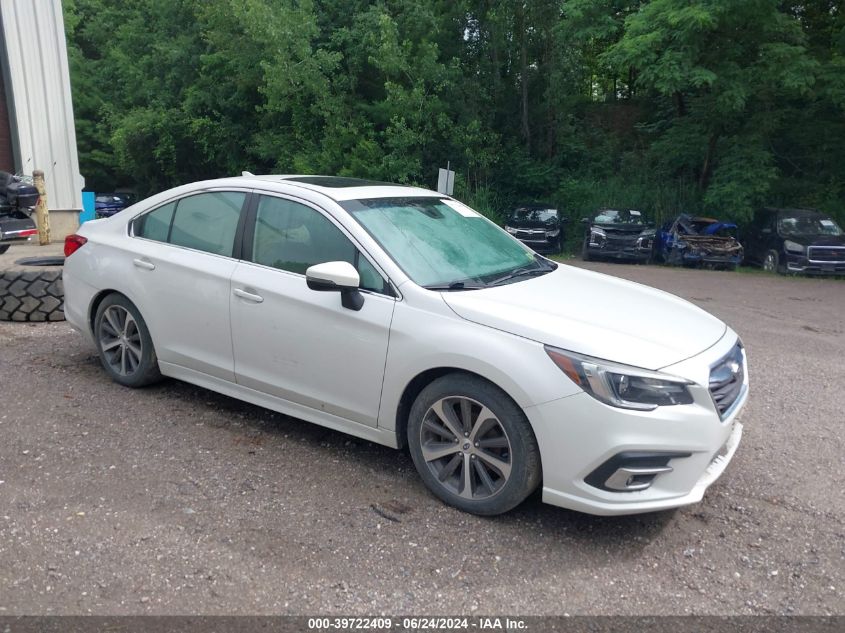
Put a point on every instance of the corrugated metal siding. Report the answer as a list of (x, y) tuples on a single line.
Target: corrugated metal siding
[(40, 106)]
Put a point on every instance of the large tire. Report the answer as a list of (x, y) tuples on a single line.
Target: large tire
[(124, 343), (32, 294), (472, 445)]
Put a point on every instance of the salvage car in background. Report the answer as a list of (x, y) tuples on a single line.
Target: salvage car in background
[(107, 204), (16, 201), (618, 234), (537, 225), (505, 371), (695, 241), (796, 241)]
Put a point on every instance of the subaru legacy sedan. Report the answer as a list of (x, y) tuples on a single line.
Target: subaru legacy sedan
[(401, 316)]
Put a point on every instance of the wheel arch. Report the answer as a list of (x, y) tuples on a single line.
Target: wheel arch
[(420, 382), (98, 299)]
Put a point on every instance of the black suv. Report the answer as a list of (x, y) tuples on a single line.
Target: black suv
[(616, 234), (795, 241), (537, 225)]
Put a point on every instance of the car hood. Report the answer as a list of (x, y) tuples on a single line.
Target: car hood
[(817, 240), (594, 314), (532, 224), (627, 229)]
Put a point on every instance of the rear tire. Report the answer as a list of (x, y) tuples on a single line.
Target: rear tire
[(124, 343), (472, 445), (4, 248)]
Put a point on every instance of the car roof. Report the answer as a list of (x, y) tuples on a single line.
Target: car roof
[(340, 188)]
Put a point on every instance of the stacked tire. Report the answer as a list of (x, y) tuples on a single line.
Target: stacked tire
[(31, 293)]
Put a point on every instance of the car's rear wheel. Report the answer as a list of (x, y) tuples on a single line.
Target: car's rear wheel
[(124, 343), (472, 445), (4, 248)]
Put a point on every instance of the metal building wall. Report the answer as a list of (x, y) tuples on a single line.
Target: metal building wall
[(39, 98)]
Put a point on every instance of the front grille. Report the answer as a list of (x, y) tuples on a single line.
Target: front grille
[(726, 380), (522, 233), (835, 254)]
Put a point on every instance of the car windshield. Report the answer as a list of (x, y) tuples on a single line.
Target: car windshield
[(528, 214), (441, 242), (808, 224), (614, 216)]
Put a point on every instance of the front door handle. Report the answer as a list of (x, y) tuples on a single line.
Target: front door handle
[(143, 263), (249, 296)]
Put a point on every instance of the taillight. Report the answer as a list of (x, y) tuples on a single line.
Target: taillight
[(26, 233), (73, 243)]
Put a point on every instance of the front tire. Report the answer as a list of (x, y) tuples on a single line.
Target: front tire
[(771, 263), (472, 445), (585, 250), (124, 343)]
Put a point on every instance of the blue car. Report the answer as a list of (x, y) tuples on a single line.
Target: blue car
[(698, 242), (107, 204)]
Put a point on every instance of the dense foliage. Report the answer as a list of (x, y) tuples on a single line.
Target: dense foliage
[(663, 105)]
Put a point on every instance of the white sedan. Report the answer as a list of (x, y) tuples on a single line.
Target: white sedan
[(404, 317)]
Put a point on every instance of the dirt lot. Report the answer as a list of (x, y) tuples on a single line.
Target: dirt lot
[(176, 500)]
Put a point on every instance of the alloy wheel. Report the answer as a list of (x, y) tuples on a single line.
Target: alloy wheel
[(769, 263), (120, 340), (466, 447)]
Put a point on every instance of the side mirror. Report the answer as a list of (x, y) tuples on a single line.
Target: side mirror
[(337, 276), (585, 220), (766, 231)]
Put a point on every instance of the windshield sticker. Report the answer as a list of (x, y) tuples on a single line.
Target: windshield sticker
[(827, 223), (634, 213), (461, 208)]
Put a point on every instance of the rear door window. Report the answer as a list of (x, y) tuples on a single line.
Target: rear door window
[(204, 222), (207, 221)]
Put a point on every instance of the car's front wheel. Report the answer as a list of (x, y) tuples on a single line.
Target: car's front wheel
[(771, 262), (472, 445), (124, 343), (585, 250)]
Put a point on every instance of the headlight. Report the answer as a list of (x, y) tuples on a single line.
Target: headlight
[(620, 385), (510, 229), (793, 247), (554, 233), (597, 231)]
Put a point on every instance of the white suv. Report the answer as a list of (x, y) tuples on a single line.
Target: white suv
[(402, 316)]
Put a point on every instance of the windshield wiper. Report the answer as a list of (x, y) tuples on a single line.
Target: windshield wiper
[(455, 285), (522, 272)]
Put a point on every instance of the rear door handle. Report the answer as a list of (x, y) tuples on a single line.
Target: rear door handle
[(143, 263), (249, 296)]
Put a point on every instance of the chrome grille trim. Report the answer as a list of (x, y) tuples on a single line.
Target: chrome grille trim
[(826, 254)]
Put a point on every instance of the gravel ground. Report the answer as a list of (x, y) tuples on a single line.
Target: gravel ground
[(175, 500)]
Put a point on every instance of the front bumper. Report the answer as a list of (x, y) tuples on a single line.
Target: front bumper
[(637, 249), (578, 435), (802, 264), (705, 259)]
